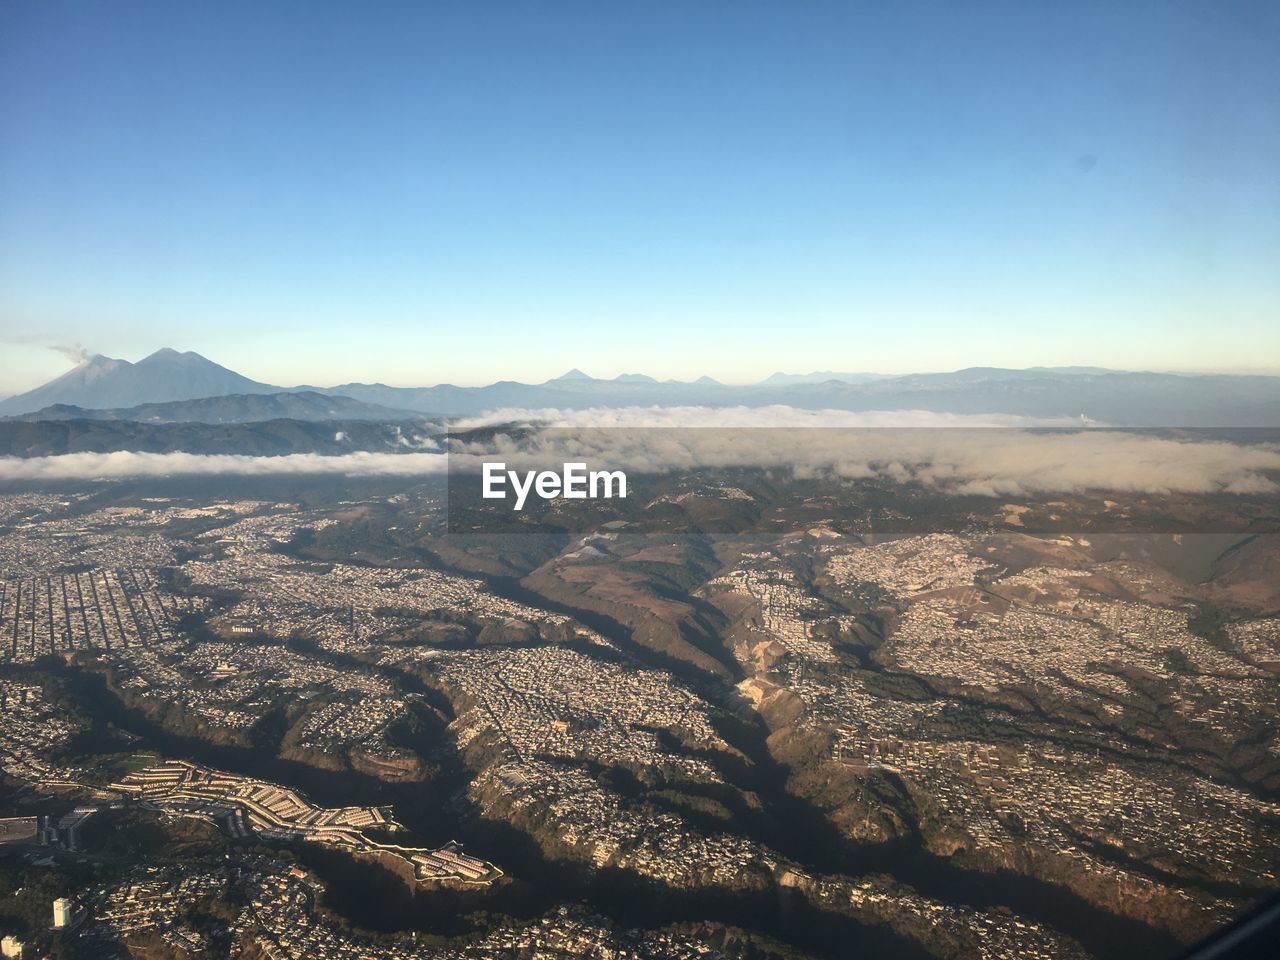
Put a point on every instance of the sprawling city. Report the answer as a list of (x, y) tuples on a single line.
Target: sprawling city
[(661, 481), (266, 727)]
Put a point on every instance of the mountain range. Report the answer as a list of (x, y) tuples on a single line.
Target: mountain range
[(169, 386), (45, 438), (303, 405), (105, 382)]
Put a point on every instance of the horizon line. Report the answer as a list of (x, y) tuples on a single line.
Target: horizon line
[(576, 373)]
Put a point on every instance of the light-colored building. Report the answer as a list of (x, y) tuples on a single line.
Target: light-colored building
[(11, 948), (64, 913)]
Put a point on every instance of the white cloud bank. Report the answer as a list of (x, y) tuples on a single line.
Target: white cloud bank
[(995, 456), (97, 466), (776, 415), (991, 461)]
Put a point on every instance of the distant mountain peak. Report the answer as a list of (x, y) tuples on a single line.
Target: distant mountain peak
[(781, 379), (170, 355), (633, 378), (707, 381), (574, 374), (108, 383)]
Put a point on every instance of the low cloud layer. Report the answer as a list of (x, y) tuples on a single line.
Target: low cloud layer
[(987, 461), (775, 415), (992, 456), (96, 466)]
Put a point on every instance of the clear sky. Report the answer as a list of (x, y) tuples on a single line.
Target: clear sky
[(423, 192)]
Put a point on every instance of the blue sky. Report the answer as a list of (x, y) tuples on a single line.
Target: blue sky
[(424, 192)]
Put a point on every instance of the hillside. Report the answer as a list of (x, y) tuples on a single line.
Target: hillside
[(305, 405)]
